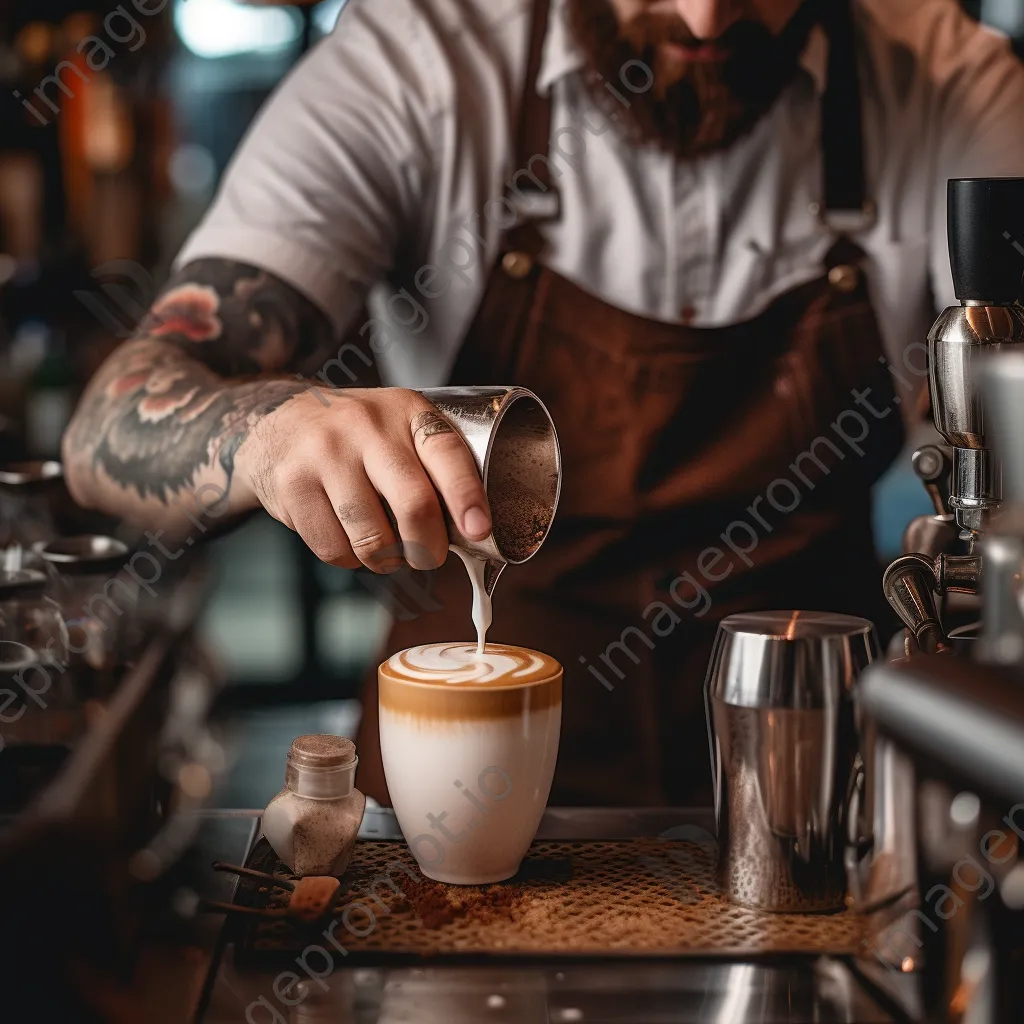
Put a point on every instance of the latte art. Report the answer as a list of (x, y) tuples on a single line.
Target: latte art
[(461, 665)]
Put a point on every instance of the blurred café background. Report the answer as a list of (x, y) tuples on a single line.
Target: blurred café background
[(101, 179)]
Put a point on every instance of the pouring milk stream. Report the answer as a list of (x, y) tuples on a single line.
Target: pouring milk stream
[(476, 567), (515, 447)]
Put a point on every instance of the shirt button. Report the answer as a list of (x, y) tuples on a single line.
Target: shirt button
[(783, 387), (844, 278), (517, 264)]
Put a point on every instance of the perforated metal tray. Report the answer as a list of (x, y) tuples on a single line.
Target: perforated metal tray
[(647, 896)]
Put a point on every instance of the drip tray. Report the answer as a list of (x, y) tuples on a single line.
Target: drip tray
[(651, 897)]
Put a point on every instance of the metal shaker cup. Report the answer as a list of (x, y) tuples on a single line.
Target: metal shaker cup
[(784, 748)]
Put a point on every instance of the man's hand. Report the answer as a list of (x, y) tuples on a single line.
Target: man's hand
[(205, 399), (321, 469)]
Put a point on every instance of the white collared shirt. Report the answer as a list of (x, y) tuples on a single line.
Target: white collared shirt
[(380, 163)]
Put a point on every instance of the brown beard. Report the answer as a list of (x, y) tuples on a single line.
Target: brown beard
[(713, 104)]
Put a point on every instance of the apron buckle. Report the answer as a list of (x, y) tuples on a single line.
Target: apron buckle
[(847, 222)]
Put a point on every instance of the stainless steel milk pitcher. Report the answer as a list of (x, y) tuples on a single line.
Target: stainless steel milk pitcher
[(515, 446), (785, 758)]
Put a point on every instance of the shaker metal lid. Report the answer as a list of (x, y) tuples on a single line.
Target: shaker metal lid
[(14, 656), (84, 555), (798, 660), (321, 750), (26, 475), (21, 583), (795, 625)]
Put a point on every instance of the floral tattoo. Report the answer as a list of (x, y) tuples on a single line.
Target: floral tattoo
[(186, 391)]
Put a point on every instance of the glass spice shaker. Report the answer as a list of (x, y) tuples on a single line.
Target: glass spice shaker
[(28, 491), (99, 606), (31, 626), (313, 822)]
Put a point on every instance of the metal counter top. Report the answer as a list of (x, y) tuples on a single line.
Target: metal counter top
[(617, 992), (578, 823), (603, 990)]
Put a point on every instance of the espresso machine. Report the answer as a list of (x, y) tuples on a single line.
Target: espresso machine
[(954, 707), (944, 552)]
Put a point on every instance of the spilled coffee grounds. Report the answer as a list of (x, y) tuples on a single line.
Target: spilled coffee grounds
[(437, 904)]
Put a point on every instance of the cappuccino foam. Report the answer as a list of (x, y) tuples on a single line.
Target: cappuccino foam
[(453, 683), (460, 664)]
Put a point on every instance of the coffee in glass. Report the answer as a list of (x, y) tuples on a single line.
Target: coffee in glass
[(469, 743)]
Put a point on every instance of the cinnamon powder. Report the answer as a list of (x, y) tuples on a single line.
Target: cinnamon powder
[(437, 904)]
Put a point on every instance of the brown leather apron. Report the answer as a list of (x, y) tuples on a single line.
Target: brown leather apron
[(676, 441)]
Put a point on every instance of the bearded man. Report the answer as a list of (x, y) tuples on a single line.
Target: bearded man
[(709, 234)]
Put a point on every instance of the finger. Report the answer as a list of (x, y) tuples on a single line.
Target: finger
[(397, 475), (366, 525), (449, 463), (312, 517)]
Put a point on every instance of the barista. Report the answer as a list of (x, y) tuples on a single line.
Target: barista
[(703, 231)]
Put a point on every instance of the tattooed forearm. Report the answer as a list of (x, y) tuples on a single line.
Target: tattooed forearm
[(235, 319), (153, 419), (171, 407)]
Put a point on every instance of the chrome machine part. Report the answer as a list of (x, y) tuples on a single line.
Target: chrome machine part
[(1002, 384), (959, 341), (1002, 643), (938, 533), (963, 724), (931, 536), (987, 263), (958, 574), (910, 587), (985, 259), (932, 465), (961, 719)]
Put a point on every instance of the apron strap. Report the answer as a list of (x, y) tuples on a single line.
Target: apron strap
[(532, 192), (846, 208), (534, 131)]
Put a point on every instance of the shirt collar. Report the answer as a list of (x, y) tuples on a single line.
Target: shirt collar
[(562, 56)]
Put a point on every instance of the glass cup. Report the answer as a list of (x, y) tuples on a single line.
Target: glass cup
[(469, 744)]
